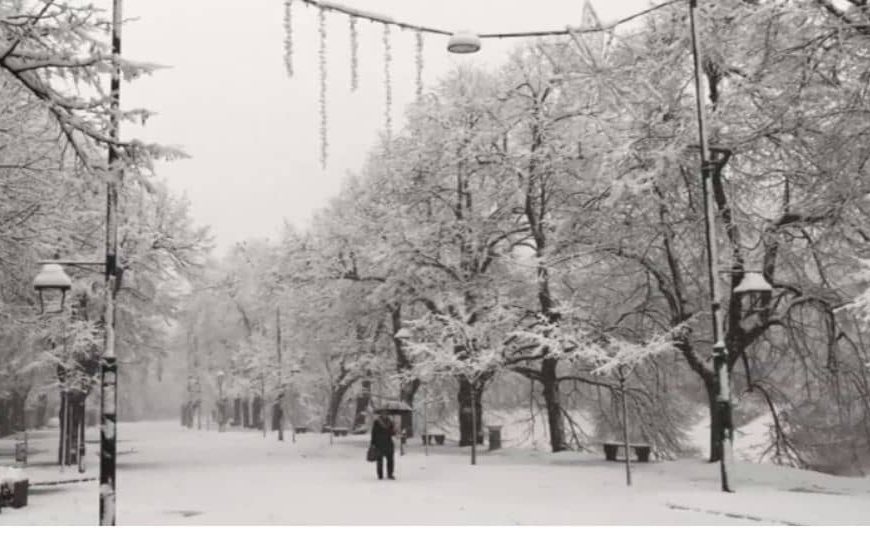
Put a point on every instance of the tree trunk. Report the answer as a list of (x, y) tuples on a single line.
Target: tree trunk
[(465, 411), (403, 363), (335, 400), (715, 424), (72, 419), (42, 411), (362, 403), (407, 394), (77, 407), (553, 403), (17, 408), (5, 420), (257, 412)]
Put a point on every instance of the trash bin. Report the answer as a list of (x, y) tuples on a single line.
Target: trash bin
[(21, 453), (19, 493), (494, 437)]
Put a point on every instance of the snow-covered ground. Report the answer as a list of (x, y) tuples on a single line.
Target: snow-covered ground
[(169, 476)]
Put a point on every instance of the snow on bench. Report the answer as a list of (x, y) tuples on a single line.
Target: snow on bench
[(641, 450), (13, 487)]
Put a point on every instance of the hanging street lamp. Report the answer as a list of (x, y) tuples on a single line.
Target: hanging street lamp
[(753, 287), (753, 283), (51, 284)]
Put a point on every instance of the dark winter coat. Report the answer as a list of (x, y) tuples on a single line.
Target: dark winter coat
[(382, 435)]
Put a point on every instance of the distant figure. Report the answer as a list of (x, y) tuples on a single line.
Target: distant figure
[(382, 439)]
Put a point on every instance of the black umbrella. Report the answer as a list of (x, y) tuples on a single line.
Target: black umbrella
[(394, 408)]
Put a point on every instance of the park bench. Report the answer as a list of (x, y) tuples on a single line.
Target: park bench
[(13, 488), (301, 430), (641, 450), (340, 431), (433, 438)]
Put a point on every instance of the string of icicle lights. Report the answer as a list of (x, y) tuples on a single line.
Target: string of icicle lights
[(324, 6)]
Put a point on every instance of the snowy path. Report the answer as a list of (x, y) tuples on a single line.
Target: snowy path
[(168, 476)]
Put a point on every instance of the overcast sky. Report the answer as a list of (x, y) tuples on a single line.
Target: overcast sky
[(253, 132)]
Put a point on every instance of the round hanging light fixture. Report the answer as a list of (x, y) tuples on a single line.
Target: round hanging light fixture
[(463, 42)]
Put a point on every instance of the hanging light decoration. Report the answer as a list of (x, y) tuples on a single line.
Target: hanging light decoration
[(419, 64), (323, 140), (462, 42), (288, 36), (354, 55), (388, 86)]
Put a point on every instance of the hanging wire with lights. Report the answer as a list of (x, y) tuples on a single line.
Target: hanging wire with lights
[(288, 37), (321, 25), (418, 60), (388, 86), (378, 18), (459, 42), (354, 54)]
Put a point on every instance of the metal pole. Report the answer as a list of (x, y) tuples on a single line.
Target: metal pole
[(625, 428), (720, 365), (221, 407), (425, 422), (279, 401), (197, 384), (292, 407), (263, 401), (82, 449), (109, 369), (64, 434), (473, 428)]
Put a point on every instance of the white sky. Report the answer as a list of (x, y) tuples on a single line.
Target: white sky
[(253, 132)]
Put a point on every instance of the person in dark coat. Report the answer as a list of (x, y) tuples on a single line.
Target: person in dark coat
[(382, 439)]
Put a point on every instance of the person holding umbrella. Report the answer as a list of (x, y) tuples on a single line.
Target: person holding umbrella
[(382, 442)]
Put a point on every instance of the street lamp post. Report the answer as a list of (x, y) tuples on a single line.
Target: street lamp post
[(109, 368), (279, 408), (52, 278), (724, 441), (624, 399)]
